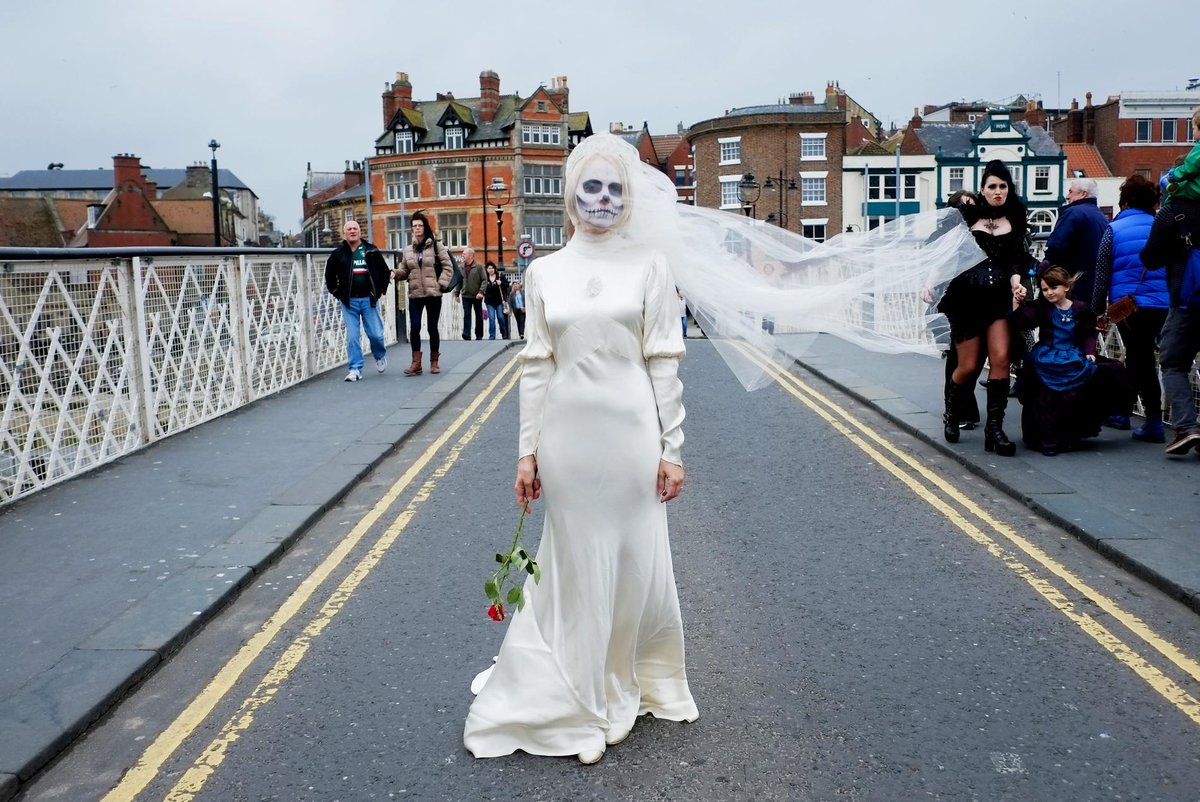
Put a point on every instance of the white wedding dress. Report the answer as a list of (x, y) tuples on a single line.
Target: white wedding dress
[(600, 640)]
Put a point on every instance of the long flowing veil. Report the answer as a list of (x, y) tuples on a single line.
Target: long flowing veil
[(747, 281)]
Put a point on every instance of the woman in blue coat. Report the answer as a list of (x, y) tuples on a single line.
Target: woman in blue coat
[(1119, 272)]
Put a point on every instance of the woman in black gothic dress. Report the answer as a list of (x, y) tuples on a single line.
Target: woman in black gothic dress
[(977, 303)]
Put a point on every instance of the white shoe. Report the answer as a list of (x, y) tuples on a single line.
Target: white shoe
[(353, 375), (615, 737), (591, 756), (381, 363)]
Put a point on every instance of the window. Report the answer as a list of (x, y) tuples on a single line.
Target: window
[(729, 192), (882, 186), (1142, 133), (543, 179), (347, 215), (1168, 130), (541, 134), (397, 232), (1144, 172), (544, 228), (1017, 172), (1041, 222), (681, 179), (1189, 134), (397, 181), (731, 150), (812, 189), (452, 182), (454, 138), (404, 141), (453, 228), (1041, 179), (956, 179), (813, 230), (812, 147)]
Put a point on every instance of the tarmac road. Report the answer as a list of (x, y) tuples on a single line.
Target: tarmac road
[(866, 620)]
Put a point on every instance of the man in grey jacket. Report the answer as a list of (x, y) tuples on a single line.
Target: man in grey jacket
[(471, 294)]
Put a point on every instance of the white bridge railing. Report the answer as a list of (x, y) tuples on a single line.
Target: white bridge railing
[(103, 352)]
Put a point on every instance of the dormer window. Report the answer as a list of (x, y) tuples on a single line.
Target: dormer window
[(404, 141), (454, 137)]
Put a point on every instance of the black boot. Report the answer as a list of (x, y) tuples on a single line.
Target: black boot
[(994, 438), (949, 416)]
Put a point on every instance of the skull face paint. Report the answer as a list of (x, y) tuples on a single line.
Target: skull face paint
[(599, 197)]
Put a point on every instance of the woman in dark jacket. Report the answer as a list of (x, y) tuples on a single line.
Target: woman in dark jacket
[(1066, 391), (1119, 272), (978, 300), (495, 297)]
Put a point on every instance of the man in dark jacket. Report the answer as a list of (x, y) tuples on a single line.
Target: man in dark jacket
[(357, 275), (471, 293), (1075, 240), (1173, 243)]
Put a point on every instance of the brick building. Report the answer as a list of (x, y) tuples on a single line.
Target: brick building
[(444, 156), (1134, 132), (670, 153), (777, 147), (329, 200), (132, 204)]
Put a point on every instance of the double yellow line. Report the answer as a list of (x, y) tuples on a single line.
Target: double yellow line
[(1017, 554), (169, 741)]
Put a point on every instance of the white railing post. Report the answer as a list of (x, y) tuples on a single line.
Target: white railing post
[(133, 316), (241, 320), (308, 316)]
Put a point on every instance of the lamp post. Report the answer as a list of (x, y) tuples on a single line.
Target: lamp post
[(499, 196), (776, 183), (748, 192), (216, 197)]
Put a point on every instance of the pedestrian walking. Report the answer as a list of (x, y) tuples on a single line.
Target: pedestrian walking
[(357, 275), (427, 266), (471, 294), (516, 300)]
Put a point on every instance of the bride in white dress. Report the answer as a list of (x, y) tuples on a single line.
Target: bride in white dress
[(600, 640)]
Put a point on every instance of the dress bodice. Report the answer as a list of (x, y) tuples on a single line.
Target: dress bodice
[(1006, 249)]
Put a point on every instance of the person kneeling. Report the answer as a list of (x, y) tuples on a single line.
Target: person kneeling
[(1067, 392)]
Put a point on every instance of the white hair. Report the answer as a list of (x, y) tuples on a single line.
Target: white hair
[(1087, 186)]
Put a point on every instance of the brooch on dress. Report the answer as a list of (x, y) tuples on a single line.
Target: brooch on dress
[(594, 286)]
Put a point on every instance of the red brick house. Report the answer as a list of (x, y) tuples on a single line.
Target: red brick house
[(445, 155)]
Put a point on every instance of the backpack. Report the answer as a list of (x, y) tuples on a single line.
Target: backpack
[(1189, 290)]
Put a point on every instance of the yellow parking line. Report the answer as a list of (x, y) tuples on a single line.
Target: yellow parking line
[(1162, 684), (156, 755)]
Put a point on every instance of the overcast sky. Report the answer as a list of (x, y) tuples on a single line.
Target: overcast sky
[(280, 83)]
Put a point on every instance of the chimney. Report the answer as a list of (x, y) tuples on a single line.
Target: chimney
[(916, 121), (616, 128), (929, 108), (1089, 100), (489, 95), (353, 175), (807, 99), (127, 168), (402, 91), (559, 92), (831, 96), (1074, 104), (389, 104)]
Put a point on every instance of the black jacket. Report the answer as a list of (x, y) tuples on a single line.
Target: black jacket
[(339, 277)]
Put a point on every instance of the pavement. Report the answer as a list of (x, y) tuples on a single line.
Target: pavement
[(108, 574)]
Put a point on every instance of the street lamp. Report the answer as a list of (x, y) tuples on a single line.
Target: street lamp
[(499, 196), (748, 192), (773, 184), (216, 196)]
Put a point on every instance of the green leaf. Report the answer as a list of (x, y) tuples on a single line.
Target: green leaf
[(490, 589), (521, 603), (530, 567), (537, 572), (524, 555), (514, 596), (500, 558)]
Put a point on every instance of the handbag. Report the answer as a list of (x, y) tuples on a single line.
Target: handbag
[(1120, 309), (485, 315), (456, 280)]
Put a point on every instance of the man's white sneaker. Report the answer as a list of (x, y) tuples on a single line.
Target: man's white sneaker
[(353, 375), (590, 756), (381, 363)]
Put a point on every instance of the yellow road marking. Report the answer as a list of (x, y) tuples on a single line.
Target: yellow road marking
[(156, 755), (1162, 684)]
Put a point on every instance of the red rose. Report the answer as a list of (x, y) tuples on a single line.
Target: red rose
[(496, 612)]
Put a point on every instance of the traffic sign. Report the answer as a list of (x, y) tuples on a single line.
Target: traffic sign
[(525, 249)]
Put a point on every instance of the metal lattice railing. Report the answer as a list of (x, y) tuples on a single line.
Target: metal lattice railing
[(100, 356)]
